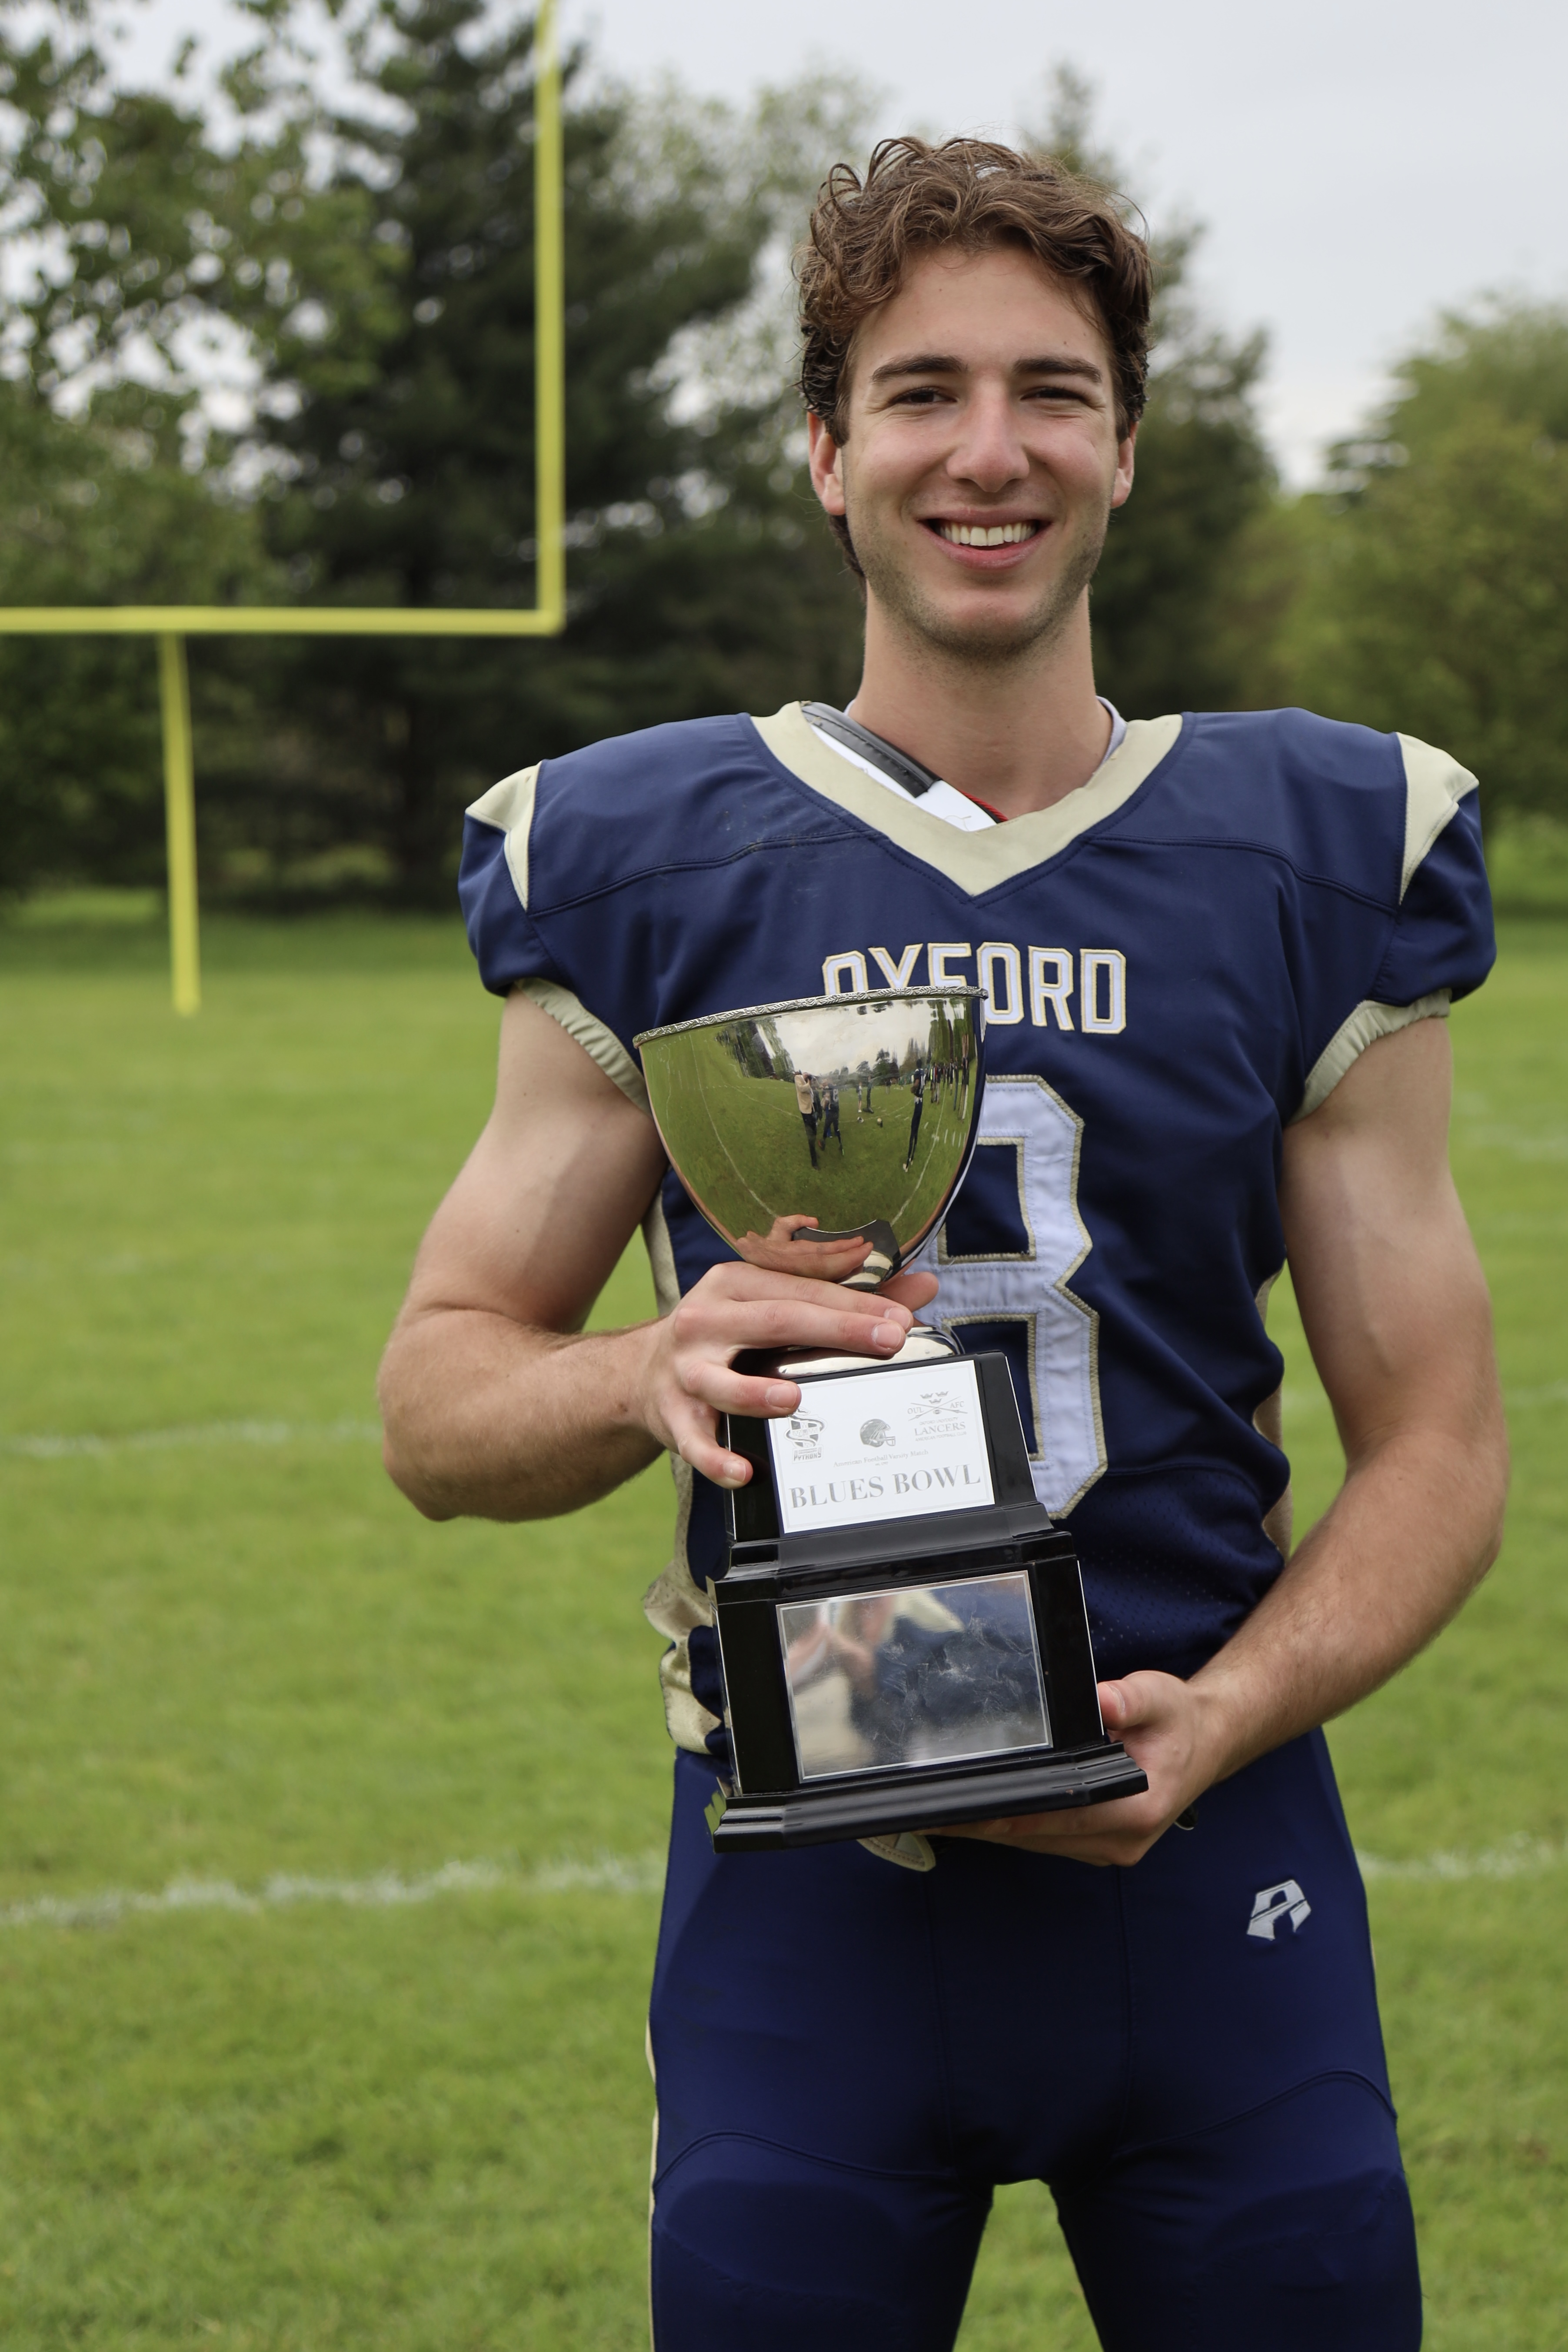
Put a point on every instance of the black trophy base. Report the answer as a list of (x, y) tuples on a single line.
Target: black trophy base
[(1001, 1563), (937, 1796)]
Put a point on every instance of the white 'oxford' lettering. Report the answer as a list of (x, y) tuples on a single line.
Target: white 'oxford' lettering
[(1102, 991), (896, 975), (1001, 974), (1018, 983)]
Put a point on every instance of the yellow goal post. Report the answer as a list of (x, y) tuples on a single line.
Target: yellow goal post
[(170, 625)]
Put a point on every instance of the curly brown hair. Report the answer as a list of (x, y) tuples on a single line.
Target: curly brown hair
[(968, 194)]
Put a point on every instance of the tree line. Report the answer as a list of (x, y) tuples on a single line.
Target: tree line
[(363, 265)]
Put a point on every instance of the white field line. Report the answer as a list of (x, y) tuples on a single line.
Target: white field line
[(45, 1448), (607, 1874), (1300, 1402), (1519, 1857)]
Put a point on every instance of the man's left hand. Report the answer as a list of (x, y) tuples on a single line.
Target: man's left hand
[(1167, 1726)]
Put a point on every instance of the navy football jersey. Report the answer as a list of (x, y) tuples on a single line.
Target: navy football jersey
[(1180, 957)]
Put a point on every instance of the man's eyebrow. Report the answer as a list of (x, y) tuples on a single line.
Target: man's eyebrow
[(1061, 363), (946, 363)]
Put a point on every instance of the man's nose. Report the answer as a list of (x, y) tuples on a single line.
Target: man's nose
[(990, 450)]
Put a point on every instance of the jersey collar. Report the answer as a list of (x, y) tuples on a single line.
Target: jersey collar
[(979, 861)]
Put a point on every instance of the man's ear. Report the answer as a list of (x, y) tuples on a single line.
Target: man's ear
[(1122, 489), (826, 468)]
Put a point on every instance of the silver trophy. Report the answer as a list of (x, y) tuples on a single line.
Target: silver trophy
[(901, 1624)]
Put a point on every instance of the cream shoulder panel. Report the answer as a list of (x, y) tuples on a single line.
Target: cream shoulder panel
[(601, 1045), (1435, 785), (509, 807), (975, 861), (1369, 1022)]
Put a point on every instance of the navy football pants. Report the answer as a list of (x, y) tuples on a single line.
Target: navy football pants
[(848, 2055)]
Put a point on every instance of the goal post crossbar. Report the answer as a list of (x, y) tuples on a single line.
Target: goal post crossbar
[(170, 625)]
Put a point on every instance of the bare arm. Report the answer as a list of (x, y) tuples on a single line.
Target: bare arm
[(495, 1402), (1397, 1318)]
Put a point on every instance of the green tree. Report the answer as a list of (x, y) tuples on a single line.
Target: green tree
[(99, 501), (1166, 632), (386, 296), (1433, 592), (90, 511), (404, 474), (375, 262)]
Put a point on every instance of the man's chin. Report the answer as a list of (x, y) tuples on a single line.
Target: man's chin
[(987, 635), (991, 626), (994, 623)]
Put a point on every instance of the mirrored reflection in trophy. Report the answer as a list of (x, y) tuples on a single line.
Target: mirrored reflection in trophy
[(825, 1136), (913, 1676), (901, 1624)]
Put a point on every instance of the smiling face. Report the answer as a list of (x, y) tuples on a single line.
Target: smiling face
[(981, 455)]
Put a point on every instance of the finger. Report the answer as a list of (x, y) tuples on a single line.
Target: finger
[(1099, 1856), (731, 1471), (721, 1331), (691, 1429), (821, 1261), (742, 1281), (1130, 1817), (912, 1290), (1097, 1850), (726, 1390), (1138, 1699), (697, 1444), (777, 1305)]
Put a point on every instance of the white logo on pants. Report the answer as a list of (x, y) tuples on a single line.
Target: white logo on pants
[(1272, 1904)]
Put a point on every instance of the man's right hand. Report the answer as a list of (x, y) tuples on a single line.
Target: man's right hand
[(689, 1379), (495, 1403)]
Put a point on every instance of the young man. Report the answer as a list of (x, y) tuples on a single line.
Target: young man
[(805, 1102), (1216, 950), (918, 1094)]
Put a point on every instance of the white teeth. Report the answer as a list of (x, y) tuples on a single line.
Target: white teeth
[(996, 534)]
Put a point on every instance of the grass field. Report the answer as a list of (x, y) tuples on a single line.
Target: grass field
[(329, 1846)]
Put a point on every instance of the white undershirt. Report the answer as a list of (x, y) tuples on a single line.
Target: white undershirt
[(944, 800)]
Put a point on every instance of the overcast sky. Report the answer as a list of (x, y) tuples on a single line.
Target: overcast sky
[(1358, 165)]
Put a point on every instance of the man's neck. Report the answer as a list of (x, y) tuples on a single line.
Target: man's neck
[(1019, 735)]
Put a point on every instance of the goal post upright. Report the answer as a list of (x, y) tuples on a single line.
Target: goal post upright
[(550, 324), (170, 625), (179, 824)]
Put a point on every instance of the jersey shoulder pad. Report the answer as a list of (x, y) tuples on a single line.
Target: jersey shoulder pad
[(1328, 799)]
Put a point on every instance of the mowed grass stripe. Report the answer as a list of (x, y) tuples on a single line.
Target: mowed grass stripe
[(56, 1447), (387, 1890), (423, 2123)]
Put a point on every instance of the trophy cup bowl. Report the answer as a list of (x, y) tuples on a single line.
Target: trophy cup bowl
[(901, 1625), (826, 1136)]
